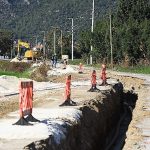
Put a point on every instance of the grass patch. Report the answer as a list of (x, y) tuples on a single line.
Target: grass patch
[(135, 69), (20, 70), (76, 61), (24, 74)]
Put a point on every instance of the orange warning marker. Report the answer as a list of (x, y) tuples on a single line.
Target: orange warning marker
[(68, 88), (68, 101), (93, 82), (80, 68), (25, 103), (103, 75)]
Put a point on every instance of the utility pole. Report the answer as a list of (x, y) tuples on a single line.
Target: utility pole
[(54, 41), (61, 42), (36, 40), (111, 46), (54, 38), (18, 48), (92, 28), (72, 38), (44, 39), (13, 47)]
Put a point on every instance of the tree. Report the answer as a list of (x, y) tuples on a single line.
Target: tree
[(136, 9), (85, 43), (132, 22), (130, 31), (6, 42)]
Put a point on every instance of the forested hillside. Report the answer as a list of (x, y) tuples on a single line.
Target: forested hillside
[(29, 17), (130, 21), (130, 35)]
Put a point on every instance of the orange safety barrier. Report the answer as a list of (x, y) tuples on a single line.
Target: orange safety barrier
[(93, 78), (68, 101), (25, 98), (68, 88), (80, 68), (25, 103), (93, 82), (103, 75)]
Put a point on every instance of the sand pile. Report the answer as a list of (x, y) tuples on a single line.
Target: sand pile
[(59, 71)]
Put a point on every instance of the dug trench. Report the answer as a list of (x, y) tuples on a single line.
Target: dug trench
[(101, 123)]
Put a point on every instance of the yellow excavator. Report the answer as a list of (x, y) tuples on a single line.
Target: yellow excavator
[(25, 53)]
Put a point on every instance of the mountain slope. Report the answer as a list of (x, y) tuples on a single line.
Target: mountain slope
[(29, 17)]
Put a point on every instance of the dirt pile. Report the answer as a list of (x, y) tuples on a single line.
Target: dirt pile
[(40, 73), (128, 81)]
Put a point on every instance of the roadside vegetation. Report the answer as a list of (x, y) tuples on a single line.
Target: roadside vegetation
[(76, 61), (136, 69), (130, 26), (24, 70), (15, 69), (143, 69), (24, 74)]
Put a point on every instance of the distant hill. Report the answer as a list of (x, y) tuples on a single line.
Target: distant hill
[(28, 17)]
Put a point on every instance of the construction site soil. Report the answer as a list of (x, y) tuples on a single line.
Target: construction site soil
[(47, 99), (11, 103)]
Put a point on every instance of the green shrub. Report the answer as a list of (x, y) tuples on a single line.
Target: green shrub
[(135, 69), (76, 61)]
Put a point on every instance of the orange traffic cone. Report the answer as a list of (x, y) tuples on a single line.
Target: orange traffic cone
[(80, 68), (103, 75), (68, 101), (93, 82)]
